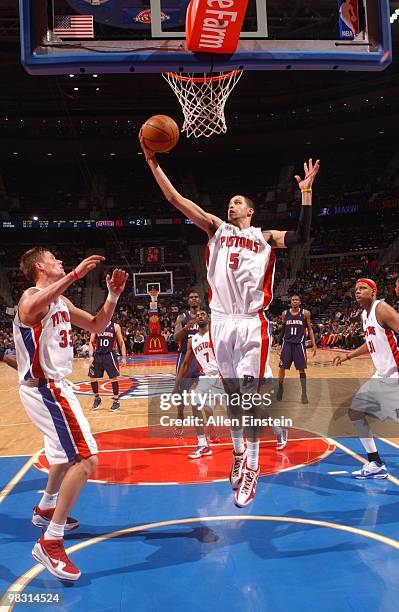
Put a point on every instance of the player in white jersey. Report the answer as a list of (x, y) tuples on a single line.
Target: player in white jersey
[(379, 396), (43, 339), (209, 388), (240, 261)]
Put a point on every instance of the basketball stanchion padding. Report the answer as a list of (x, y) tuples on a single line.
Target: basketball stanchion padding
[(214, 27)]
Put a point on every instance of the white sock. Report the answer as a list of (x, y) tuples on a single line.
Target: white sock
[(54, 531), (49, 500), (202, 441), (252, 455), (369, 445), (237, 437)]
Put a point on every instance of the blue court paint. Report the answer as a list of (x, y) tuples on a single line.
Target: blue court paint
[(230, 565)]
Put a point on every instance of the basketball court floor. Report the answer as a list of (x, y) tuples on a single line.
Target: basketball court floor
[(161, 531)]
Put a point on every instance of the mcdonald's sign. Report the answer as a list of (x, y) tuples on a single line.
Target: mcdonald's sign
[(155, 345)]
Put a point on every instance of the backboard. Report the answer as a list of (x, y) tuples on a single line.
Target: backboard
[(149, 36), (143, 282)]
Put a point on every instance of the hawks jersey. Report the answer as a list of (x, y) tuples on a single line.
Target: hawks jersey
[(295, 326), (187, 316), (45, 350), (240, 267), (382, 344), (106, 342), (203, 351)]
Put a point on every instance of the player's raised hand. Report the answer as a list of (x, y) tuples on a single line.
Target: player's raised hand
[(87, 265), (147, 152), (116, 283), (310, 171)]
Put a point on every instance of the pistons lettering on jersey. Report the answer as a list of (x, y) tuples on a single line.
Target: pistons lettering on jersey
[(240, 242), (61, 316), (202, 347)]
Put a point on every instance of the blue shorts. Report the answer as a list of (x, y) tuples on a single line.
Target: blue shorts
[(107, 362), (293, 352), (193, 373)]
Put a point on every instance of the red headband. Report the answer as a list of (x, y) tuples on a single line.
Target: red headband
[(368, 282)]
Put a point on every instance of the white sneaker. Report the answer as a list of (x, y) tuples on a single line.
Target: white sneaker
[(246, 492), (282, 439), (237, 469), (201, 451), (370, 470)]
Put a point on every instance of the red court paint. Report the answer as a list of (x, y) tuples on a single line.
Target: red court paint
[(135, 456)]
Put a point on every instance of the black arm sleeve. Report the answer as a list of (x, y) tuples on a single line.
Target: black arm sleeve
[(302, 232)]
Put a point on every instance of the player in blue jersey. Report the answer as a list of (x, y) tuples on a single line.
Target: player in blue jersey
[(295, 323), (103, 357)]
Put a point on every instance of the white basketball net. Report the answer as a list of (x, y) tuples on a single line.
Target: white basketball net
[(203, 98)]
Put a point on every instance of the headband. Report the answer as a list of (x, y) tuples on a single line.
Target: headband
[(368, 282)]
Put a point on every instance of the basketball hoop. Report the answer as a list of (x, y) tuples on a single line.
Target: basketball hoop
[(153, 293), (203, 99)]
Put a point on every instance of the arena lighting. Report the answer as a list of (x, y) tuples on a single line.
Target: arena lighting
[(95, 76), (97, 89), (15, 153), (35, 218), (76, 89), (71, 76)]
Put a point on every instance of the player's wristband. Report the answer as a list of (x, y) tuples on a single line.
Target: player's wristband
[(112, 297), (306, 190)]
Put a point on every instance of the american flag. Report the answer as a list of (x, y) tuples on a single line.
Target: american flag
[(74, 26)]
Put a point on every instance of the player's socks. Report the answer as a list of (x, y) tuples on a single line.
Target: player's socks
[(94, 386), (237, 437), (115, 390), (202, 441), (48, 501), (54, 531), (252, 455), (280, 391), (374, 457)]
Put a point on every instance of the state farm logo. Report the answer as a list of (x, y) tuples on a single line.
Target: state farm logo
[(145, 16)]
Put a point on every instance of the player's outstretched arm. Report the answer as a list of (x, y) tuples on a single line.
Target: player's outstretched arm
[(361, 350), (97, 323), (188, 359), (279, 239), (121, 343), (34, 304), (206, 221)]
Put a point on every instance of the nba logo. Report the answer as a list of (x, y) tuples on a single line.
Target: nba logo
[(349, 26)]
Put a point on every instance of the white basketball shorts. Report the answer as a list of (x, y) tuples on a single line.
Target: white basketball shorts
[(56, 411), (241, 344)]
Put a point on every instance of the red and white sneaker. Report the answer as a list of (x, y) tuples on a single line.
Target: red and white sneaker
[(237, 469), (201, 451), (246, 492), (42, 518), (52, 555)]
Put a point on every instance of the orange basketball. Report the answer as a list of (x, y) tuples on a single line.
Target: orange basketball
[(160, 133)]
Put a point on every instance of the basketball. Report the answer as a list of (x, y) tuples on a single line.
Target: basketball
[(160, 133)]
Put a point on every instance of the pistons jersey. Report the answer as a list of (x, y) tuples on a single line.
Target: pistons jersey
[(382, 344), (203, 351), (106, 342), (45, 351), (295, 326), (240, 266)]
